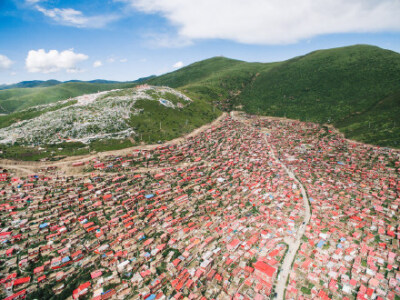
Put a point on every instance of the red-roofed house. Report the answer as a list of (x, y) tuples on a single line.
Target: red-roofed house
[(264, 271)]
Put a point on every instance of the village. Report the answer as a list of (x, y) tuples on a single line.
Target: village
[(210, 217)]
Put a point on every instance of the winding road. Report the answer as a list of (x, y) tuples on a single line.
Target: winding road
[(294, 244)]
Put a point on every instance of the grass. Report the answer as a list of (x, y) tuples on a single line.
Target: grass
[(174, 122)]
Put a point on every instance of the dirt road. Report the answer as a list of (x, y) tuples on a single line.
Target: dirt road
[(294, 244), (23, 168)]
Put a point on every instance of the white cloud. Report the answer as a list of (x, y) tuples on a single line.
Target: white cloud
[(111, 60), (5, 62), (178, 65), (97, 63), (272, 21), (53, 61), (75, 18), (123, 60)]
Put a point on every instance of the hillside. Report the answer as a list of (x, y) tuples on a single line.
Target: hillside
[(102, 121), (341, 86), (217, 79), (21, 98)]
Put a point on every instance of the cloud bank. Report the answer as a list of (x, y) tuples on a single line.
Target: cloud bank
[(273, 21), (53, 61)]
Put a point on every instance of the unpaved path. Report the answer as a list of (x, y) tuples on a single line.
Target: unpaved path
[(23, 168), (294, 244)]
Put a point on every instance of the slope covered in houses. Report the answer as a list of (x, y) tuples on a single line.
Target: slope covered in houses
[(209, 218)]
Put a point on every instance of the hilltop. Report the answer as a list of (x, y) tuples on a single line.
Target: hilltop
[(353, 88)]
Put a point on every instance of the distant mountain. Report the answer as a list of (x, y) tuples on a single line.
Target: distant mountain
[(143, 79), (30, 84), (51, 82), (22, 98), (340, 86)]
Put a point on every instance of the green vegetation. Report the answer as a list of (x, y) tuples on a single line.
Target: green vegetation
[(174, 122), (22, 98), (305, 290), (354, 88), (217, 79)]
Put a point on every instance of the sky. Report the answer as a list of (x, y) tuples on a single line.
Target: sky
[(127, 39)]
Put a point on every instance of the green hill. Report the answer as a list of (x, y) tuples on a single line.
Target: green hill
[(354, 88), (21, 98), (217, 79)]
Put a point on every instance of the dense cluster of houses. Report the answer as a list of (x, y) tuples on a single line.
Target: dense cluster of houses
[(208, 219), (351, 246)]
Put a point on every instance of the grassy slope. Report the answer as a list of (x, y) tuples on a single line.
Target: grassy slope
[(17, 99), (341, 86), (378, 124), (195, 72), (326, 84), (337, 85)]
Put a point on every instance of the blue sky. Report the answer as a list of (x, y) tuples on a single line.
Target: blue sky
[(128, 39)]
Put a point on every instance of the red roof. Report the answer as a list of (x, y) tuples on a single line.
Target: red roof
[(22, 280), (265, 268)]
